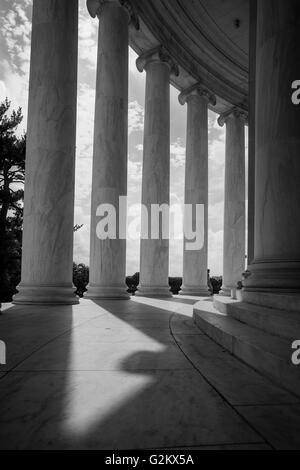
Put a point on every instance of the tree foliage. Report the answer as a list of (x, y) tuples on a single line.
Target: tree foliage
[(80, 278), (216, 282), (175, 284), (132, 282), (12, 173)]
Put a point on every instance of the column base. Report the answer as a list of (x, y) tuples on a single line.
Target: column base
[(45, 295), (153, 291), (273, 284), (273, 276), (226, 291), (274, 300), (95, 292), (199, 291)]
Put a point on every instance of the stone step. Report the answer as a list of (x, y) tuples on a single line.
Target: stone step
[(282, 301), (281, 323), (266, 353)]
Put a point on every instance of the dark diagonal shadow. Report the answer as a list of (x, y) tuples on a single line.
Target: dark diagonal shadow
[(155, 398), (110, 376)]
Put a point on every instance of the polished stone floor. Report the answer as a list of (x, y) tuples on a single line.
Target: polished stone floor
[(134, 374)]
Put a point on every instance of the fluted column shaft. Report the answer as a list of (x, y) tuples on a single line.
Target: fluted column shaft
[(47, 252), (196, 190), (276, 264), (234, 201), (251, 131), (108, 256), (154, 262)]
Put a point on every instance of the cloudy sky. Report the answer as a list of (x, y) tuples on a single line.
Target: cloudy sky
[(15, 26)]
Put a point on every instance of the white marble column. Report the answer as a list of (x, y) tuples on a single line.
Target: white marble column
[(196, 188), (47, 251), (276, 265), (108, 256), (251, 131), (234, 200), (154, 263)]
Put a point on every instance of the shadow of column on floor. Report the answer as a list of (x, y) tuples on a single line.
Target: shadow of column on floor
[(109, 377), (155, 398)]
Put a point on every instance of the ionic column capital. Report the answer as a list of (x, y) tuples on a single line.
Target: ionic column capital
[(235, 112), (197, 90), (95, 8), (158, 54)]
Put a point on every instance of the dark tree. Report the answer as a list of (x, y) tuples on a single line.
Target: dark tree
[(216, 282), (80, 278), (132, 283), (12, 171), (175, 284)]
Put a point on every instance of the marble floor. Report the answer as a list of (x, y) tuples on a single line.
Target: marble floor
[(134, 374)]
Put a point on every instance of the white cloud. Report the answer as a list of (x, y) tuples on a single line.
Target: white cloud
[(83, 174), (85, 120), (88, 32), (177, 151), (16, 32), (134, 171), (82, 237), (139, 147), (2, 90), (135, 117), (132, 62), (175, 257), (215, 252)]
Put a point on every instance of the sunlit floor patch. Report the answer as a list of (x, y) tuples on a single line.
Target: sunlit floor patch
[(96, 396), (172, 306), (91, 398)]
